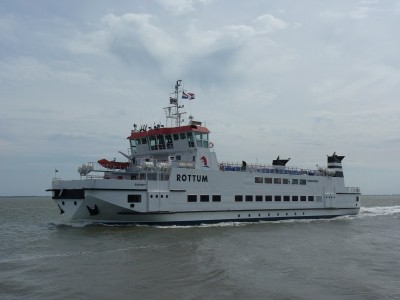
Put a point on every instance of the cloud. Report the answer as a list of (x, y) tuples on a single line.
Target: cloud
[(182, 7), (268, 23)]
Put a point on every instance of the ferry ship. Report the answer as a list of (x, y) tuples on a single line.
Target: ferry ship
[(171, 175)]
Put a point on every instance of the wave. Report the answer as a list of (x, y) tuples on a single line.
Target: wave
[(379, 211)]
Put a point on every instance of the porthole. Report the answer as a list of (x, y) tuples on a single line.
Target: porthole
[(166, 196), (277, 214), (156, 196), (238, 216), (303, 213), (162, 196), (259, 215), (132, 205), (63, 203), (151, 196), (295, 214), (286, 213), (75, 203), (268, 215), (249, 215)]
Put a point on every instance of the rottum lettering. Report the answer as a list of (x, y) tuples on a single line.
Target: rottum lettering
[(191, 178)]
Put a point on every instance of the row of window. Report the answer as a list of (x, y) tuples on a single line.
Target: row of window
[(250, 198), (270, 180), (161, 142), (204, 198)]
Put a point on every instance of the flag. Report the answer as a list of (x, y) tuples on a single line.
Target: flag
[(188, 96)]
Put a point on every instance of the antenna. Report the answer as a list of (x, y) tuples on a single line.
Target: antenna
[(173, 110)]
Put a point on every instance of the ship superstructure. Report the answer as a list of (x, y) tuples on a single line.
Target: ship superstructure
[(172, 176)]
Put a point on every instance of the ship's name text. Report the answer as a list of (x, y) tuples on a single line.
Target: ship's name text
[(191, 178)]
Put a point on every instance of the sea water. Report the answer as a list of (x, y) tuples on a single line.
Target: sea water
[(353, 257)]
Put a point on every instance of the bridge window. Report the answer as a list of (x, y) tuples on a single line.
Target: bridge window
[(182, 136), (303, 198), (134, 143), (285, 181), (268, 198), (310, 198), (277, 181), (295, 181), (190, 139), (295, 198), (268, 180), (286, 198), (176, 136), (278, 198), (168, 139), (259, 198), (153, 143), (303, 182)]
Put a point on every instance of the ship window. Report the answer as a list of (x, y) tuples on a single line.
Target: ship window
[(204, 198), (178, 157), (249, 197), (295, 181), (134, 143), (161, 142), (216, 198), (268, 180), (310, 198), (303, 198), (295, 198), (259, 198), (285, 181), (190, 139), (191, 198), (286, 198), (268, 198), (303, 182), (278, 198), (182, 136), (168, 139), (277, 181), (152, 142), (238, 198), (176, 136), (319, 198), (258, 180), (144, 141), (134, 198)]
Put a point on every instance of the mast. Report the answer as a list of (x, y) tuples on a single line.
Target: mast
[(173, 110)]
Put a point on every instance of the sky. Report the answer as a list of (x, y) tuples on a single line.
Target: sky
[(298, 79)]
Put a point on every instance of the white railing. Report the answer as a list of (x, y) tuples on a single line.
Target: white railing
[(353, 190), (259, 168)]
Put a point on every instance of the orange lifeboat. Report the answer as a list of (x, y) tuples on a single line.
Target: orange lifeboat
[(113, 164)]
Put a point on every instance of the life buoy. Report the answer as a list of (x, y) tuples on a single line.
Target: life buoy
[(210, 144)]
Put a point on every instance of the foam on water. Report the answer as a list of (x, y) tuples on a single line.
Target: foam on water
[(379, 211)]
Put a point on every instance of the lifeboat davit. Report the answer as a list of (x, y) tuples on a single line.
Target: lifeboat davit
[(113, 164)]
